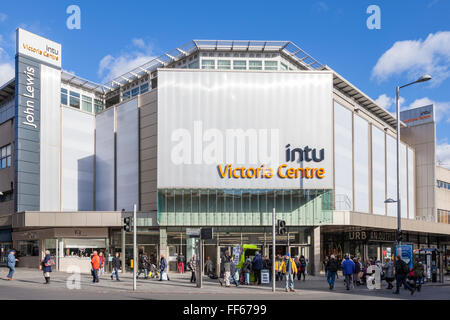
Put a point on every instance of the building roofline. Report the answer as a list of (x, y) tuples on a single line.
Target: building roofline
[(7, 89)]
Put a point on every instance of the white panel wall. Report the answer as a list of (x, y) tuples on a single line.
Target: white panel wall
[(197, 108), (361, 161), (343, 146), (378, 171), (411, 185), (403, 181), (127, 155), (104, 161), (50, 139), (77, 180), (391, 160)]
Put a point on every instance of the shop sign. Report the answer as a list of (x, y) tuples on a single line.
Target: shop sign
[(370, 236), (193, 232), (406, 253), (265, 278)]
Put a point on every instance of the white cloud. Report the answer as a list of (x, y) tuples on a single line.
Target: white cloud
[(387, 102), (417, 57), (3, 17), (443, 155), (111, 67), (7, 69)]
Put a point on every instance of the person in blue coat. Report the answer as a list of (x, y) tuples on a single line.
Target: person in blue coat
[(47, 266), (348, 267), (11, 264), (163, 268), (257, 266)]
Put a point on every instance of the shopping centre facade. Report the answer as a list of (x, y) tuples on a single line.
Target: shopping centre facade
[(212, 134)]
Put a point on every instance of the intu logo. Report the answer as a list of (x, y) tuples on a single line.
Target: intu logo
[(306, 154)]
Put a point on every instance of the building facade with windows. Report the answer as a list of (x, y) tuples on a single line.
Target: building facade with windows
[(212, 134)]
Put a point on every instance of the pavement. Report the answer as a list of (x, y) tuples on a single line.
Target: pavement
[(28, 284)]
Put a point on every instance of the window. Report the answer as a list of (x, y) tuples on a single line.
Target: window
[(255, 65), (86, 103), (28, 248), (193, 65), (126, 95), (240, 65), (443, 185), (64, 96), (443, 216), (98, 105), (74, 100), (283, 66), (7, 196), (5, 157), (134, 92), (144, 88), (224, 64), (208, 64), (270, 65)]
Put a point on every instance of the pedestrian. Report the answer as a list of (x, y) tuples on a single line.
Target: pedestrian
[(279, 273), (226, 262), (388, 269), (418, 270), (302, 270), (256, 267), (325, 263), (102, 262), (289, 269), (348, 268), (143, 265), (47, 264), (209, 269), (332, 268), (356, 281), (116, 266), (11, 264), (233, 277), (95, 263), (401, 271), (297, 264), (163, 269), (247, 268), (193, 267), (180, 262)]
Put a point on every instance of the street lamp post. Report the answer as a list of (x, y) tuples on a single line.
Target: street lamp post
[(397, 102)]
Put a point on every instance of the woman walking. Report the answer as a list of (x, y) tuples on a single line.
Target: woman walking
[(193, 267), (47, 264)]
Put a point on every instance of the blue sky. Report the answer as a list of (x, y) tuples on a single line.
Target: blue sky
[(414, 39)]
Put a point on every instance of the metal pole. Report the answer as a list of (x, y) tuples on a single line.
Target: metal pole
[(399, 227), (135, 264), (273, 250), (199, 264)]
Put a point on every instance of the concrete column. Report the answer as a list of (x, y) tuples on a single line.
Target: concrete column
[(163, 248), (315, 252)]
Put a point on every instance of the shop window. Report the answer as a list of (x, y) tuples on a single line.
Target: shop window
[(86, 103), (255, 65), (240, 65), (208, 64), (270, 65), (74, 100), (224, 64), (64, 96), (27, 248), (5, 157), (134, 92)]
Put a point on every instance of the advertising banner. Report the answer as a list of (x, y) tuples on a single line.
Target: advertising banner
[(235, 129), (405, 251)]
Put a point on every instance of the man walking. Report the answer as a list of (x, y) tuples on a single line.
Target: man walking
[(388, 269), (233, 272), (11, 264), (116, 265), (401, 272), (209, 267), (226, 261), (95, 262), (193, 267), (348, 267), (289, 269), (180, 262), (143, 265), (332, 268), (418, 270)]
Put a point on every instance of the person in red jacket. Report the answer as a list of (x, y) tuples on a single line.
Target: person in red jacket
[(95, 262)]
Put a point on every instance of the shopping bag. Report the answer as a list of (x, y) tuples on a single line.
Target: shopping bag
[(164, 276)]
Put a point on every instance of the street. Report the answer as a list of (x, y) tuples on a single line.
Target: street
[(28, 285)]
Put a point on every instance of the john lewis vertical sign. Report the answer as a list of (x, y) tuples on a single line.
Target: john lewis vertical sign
[(33, 55)]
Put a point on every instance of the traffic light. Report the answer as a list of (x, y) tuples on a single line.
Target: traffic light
[(127, 224), (281, 227), (399, 236)]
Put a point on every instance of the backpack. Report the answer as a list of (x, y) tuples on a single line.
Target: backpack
[(405, 268)]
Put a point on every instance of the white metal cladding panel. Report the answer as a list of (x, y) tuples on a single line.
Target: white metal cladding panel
[(411, 185), (50, 139), (297, 104), (77, 160), (127, 155), (104, 161), (403, 181)]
